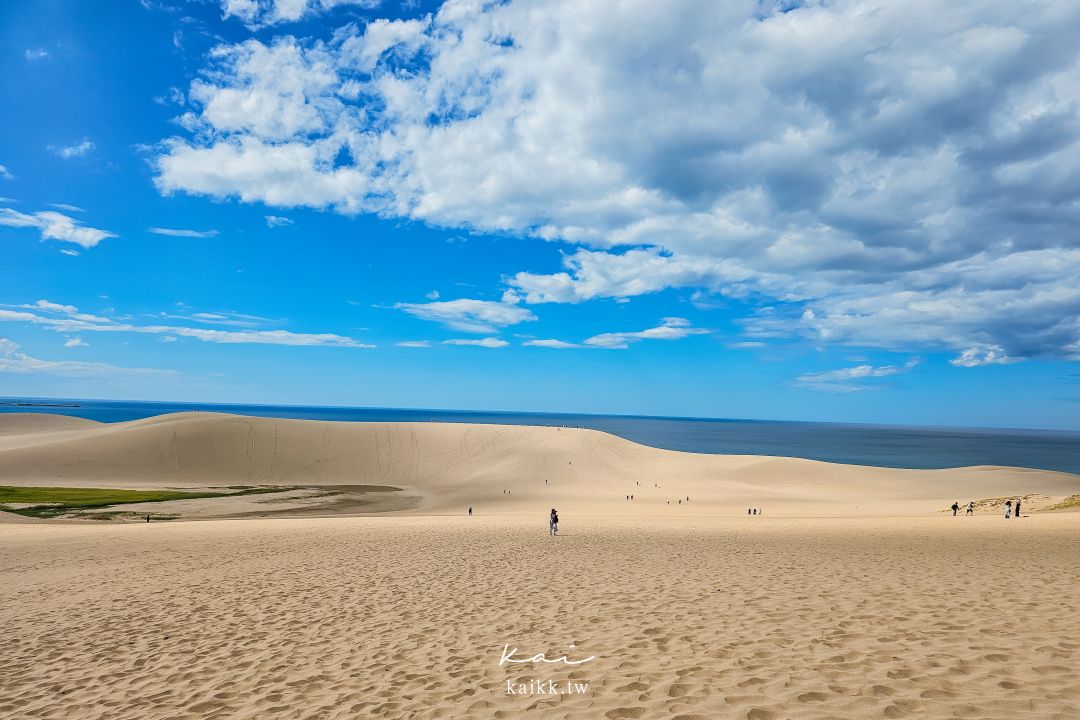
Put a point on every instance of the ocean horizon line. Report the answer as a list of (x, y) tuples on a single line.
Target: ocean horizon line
[(19, 401)]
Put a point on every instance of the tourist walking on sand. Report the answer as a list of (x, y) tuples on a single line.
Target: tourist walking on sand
[(971, 507), (955, 508), (1008, 508), (1018, 508), (553, 524), (470, 511)]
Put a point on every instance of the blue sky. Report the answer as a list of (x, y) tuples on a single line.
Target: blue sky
[(836, 212)]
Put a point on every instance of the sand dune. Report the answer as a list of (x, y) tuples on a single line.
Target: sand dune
[(451, 466), (692, 611)]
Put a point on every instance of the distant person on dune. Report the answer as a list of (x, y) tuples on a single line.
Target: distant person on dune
[(955, 508), (1008, 508), (971, 507), (553, 523), (470, 511), (1017, 507)]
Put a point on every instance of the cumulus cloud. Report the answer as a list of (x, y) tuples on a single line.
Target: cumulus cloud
[(260, 13), (184, 233), (273, 221), (476, 316), (55, 226), (489, 342), (846, 380), (880, 165), (13, 361), (672, 328), (73, 151), (68, 319)]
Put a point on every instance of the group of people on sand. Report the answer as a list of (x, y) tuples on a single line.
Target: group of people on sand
[(956, 508), (1011, 509), (755, 511)]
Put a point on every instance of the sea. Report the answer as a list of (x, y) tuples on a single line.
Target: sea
[(878, 445)]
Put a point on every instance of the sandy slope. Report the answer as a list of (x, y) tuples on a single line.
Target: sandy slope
[(405, 617), (693, 611), (452, 466)]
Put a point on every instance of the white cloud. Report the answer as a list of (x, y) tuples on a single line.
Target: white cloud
[(55, 226), (833, 157), (75, 342), (184, 233), (558, 344), (489, 342), (36, 54), (260, 13), (73, 151), (844, 380), (74, 321), (973, 357), (274, 221), (414, 344), (13, 361), (672, 328), (433, 295), (6, 174), (477, 316), (72, 253), (65, 206)]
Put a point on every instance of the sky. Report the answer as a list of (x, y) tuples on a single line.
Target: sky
[(828, 211)]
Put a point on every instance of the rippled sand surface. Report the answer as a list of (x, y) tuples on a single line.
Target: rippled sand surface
[(407, 617)]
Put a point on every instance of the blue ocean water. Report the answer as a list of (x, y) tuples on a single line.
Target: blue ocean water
[(880, 445)]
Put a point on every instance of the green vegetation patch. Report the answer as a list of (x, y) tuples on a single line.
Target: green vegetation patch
[(48, 502), (1070, 503)]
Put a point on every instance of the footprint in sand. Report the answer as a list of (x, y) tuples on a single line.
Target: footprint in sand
[(813, 696)]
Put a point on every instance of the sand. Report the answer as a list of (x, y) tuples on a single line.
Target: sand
[(691, 611), (443, 468)]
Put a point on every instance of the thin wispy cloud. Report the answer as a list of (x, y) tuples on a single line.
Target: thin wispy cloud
[(55, 226), (555, 344), (36, 54), (68, 319), (672, 328), (13, 361), (173, 232), (73, 151), (489, 342), (475, 316), (852, 379), (274, 221)]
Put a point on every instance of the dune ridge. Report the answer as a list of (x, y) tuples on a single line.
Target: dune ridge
[(498, 468)]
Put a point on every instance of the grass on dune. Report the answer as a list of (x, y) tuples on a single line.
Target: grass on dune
[(53, 501), (1070, 503)]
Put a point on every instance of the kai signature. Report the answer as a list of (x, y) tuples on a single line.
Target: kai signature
[(509, 656)]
